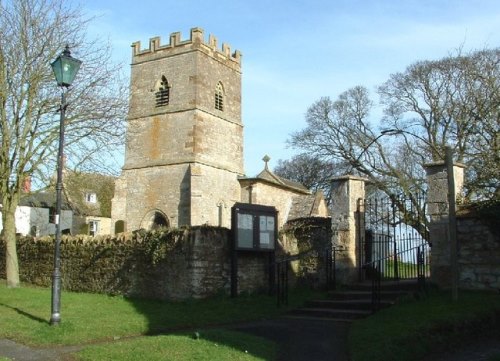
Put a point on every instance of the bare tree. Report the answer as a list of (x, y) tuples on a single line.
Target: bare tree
[(311, 171), (34, 32), (339, 130), (454, 101)]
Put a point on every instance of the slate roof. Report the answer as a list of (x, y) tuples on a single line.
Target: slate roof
[(269, 177), (304, 202), (305, 205), (78, 184), (75, 187), (41, 200)]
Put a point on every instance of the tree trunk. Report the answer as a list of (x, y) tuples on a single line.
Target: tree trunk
[(9, 235)]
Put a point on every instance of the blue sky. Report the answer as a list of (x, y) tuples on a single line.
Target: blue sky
[(295, 52)]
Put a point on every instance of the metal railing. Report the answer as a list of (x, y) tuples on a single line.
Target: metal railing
[(282, 269), (417, 269)]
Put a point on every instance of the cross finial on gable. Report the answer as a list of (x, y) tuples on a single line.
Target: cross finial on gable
[(266, 159)]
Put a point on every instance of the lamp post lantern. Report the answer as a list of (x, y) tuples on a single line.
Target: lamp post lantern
[(65, 68)]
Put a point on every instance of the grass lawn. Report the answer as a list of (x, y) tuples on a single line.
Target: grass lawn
[(92, 318), (405, 269), (211, 345), (411, 329)]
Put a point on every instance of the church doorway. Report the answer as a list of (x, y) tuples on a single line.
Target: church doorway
[(154, 219)]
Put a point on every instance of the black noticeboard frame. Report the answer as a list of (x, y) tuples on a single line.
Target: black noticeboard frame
[(254, 229)]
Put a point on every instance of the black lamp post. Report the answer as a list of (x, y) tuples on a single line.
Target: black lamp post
[(65, 68)]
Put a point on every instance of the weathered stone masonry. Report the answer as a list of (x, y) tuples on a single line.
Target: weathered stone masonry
[(168, 265), (175, 265), (478, 242), (183, 158)]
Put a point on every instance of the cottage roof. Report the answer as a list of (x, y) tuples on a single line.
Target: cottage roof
[(42, 200), (79, 186)]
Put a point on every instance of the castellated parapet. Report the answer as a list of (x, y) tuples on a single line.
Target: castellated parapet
[(176, 46), (184, 144)]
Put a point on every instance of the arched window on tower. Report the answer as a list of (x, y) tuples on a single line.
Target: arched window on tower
[(162, 94), (219, 97)]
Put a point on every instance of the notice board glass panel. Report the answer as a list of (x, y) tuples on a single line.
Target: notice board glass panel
[(245, 231), (254, 227), (266, 232)]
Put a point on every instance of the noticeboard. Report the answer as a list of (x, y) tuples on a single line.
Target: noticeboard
[(254, 227)]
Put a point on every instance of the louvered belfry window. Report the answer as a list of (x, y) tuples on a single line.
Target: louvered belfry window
[(163, 93), (219, 97)]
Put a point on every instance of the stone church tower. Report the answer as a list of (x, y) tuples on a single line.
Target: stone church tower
[(184, 146)]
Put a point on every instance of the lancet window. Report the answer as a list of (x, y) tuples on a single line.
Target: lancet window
[(162, 94), (219, 97)]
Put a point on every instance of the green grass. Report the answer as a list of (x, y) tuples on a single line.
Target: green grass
[(405, 269), (119, 328), (411, 329), (211, 345)]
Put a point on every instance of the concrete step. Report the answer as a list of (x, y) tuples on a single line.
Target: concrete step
[(406, 285), (347, 304), (330, 313), (361, 295), (315, 318), (354, 302)]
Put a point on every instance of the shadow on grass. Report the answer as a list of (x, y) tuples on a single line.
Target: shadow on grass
[(215, 318), (207, 319), (26, 314), (253, 345)]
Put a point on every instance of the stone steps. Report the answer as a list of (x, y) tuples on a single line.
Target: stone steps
[(353, 302)]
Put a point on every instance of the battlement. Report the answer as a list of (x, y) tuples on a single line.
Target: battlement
[(196, 39)]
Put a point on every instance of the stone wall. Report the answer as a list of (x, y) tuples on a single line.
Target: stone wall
[(478, 238), (479, 251), (309, 239), (172, 265), (213, 193), (270, 195)]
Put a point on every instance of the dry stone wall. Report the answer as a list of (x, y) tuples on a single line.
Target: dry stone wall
[(169, 265), (309, 239), (479, 252)]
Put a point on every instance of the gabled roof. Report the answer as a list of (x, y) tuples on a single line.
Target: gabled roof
[(78, 184), (42, 200), (306, 205), (267, 176)]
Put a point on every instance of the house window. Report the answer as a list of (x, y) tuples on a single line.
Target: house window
[(93, 228), (162, 93), (219, 97), (91, 197)]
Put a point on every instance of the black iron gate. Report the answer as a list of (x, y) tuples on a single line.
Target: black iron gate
[(393, 239)]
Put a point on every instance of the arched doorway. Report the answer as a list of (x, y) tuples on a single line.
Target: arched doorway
[(119, 226), (155, 219)]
